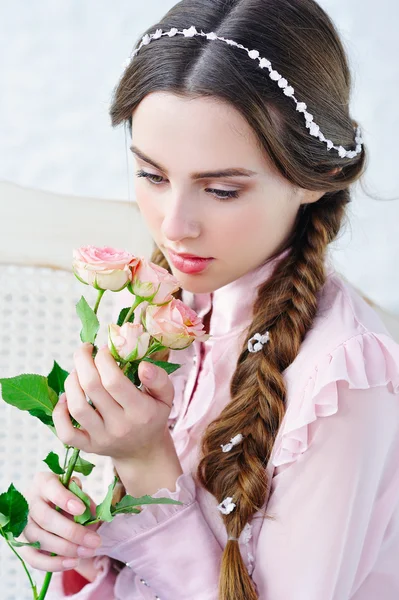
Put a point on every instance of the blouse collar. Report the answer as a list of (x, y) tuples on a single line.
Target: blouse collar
[(232, 304)]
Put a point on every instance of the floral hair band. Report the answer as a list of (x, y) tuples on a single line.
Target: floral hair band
[(264, 63)]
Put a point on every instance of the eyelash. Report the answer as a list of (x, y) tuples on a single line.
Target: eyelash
[(230, 194)]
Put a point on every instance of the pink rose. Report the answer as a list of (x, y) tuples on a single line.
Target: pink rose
[(174, 325), (154, 283), (104, 268), (129, 342)]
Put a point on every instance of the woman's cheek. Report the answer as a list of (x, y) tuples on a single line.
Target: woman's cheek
[(147, 208)]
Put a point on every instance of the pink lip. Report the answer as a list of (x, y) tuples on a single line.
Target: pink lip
[(189, 264)]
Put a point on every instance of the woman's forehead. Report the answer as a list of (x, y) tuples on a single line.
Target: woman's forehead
[(203, 133)]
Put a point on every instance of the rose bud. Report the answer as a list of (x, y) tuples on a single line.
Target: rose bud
[(154, 283), (129, 342)]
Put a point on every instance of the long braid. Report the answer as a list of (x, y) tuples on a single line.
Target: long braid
[(286, 306)]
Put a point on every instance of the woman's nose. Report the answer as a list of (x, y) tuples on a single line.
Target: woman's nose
[(180, 219)]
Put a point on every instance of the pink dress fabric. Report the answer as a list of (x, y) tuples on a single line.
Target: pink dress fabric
[(334, 469)]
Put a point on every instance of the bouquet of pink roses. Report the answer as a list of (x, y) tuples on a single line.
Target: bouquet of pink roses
[(155, 321)]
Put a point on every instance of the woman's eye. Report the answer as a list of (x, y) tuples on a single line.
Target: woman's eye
[(223, 194), (153, 178), (219, 194)]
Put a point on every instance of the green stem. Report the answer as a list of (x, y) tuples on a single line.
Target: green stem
[(137, 301), (32, 584), (74, 458), (125, 368), (154, 348), (97, 304), (65, 481), (66, 457)]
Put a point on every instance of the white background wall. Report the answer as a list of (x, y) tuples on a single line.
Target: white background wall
[(61, 60)]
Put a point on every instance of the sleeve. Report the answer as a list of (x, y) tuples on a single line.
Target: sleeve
[(164, 543), (335, 494)]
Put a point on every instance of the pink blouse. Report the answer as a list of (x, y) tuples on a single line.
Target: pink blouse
[(334, 469)]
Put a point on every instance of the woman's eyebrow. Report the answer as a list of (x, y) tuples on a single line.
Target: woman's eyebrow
[(205, 175)]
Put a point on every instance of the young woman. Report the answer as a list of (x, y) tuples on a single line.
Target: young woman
[(282, 441)]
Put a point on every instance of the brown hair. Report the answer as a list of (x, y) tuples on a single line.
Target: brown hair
[(302, 43)]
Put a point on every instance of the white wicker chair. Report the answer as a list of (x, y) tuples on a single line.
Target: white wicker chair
[(38, 321)]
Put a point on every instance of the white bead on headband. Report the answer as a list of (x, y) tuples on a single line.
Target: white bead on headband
[(288, 90)]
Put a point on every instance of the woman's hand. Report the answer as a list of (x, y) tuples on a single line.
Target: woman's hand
[(129, 423), (56, 531)]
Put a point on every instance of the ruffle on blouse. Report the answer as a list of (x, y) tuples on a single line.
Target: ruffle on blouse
[(366, 360), (127, 526)]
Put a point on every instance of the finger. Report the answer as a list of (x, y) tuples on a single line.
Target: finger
[(66, 432), (91, 383), (50, 489), (113, 379), (54, 522), (79, 407), (116, 383), (157, 382), (44, 562), (53, 543)]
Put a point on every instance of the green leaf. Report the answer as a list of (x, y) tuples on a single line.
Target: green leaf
[(89, 320), (83, 466), (103, 510), (56, 378), (44, 418), (9, 536), (127, 504), (29, 392), (169, 367), (123, 314), (53, 461), (14, 506), (3, 520), (86, 516)]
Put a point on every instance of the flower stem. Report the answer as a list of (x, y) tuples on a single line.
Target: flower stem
[(97, 304), (33, 585), (137, 301), (65, 481)]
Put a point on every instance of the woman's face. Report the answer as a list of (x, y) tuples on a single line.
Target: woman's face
[(241, 220)]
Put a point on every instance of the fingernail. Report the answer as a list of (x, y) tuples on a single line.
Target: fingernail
[(105, 346), (75, 507), (62, 398), (70, 562), (149, 371)]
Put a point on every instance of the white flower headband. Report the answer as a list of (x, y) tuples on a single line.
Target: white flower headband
[(288, 90)]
